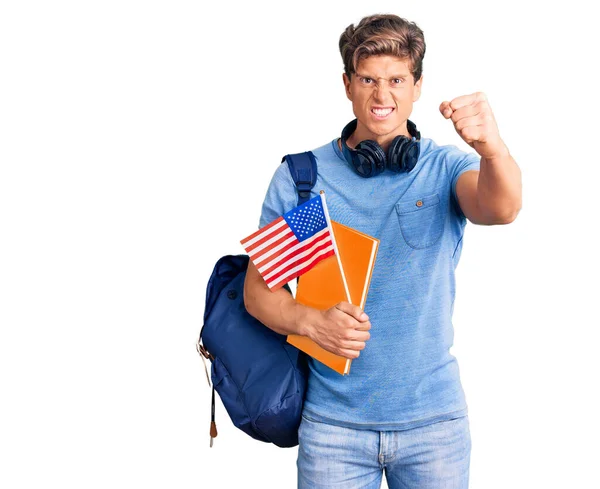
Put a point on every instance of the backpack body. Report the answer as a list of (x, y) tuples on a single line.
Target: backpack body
[(260, 377)]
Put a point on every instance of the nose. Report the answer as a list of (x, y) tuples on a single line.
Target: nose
[(381, 93)]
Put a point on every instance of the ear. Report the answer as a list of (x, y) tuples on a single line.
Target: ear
[(417, 89), (347, 86)]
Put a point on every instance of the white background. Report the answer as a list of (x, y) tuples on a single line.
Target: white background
[(137, 140)]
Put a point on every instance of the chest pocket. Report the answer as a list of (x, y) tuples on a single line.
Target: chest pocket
[(421, 220)]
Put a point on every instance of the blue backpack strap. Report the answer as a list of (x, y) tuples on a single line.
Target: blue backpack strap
[(303, 167)]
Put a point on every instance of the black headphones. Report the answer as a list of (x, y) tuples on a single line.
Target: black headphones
[(368, 158)]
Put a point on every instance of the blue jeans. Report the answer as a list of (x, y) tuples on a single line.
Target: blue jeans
[(435, 456)]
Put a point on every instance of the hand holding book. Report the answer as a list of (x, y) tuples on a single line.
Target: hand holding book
[(343, 330)]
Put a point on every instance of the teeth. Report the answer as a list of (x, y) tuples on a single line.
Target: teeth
[(382, 112)]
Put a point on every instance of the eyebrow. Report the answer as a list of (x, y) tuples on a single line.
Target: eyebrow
[(369, 76)]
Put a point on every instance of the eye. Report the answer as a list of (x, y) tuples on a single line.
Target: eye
[(366, 80), (397, 81)]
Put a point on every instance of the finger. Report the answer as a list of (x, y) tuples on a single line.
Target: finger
[(353, 349), (362, 336), (354, 334), (463, 112), (473, 133), (465, 122), (354, 311), (351, 354), (445, 109), (353, 345), (470, 99), (364, 326), (481, 108)]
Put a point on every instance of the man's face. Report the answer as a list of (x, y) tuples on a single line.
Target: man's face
[(382, 92)]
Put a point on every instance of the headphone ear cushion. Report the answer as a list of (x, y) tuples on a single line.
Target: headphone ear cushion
[(403, 154), (411, 155), (369, 158)]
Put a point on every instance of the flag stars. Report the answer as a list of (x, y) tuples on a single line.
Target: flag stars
[(308, 219)]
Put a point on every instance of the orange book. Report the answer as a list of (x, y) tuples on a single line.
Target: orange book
[(322, 286)]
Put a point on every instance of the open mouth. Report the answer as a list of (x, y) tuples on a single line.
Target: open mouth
[(382, 113)]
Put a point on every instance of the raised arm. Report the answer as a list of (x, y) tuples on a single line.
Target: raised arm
[(492, 195)]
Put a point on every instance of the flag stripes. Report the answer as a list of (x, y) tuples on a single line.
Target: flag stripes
[(305, 267), (287, 267), (291, 244)]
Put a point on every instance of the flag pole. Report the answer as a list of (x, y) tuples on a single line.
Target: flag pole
[(337, 254)]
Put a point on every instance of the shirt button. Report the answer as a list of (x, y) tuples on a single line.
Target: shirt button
[(419, 203)]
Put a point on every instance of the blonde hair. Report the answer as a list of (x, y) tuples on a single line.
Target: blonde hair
[(383, 34)]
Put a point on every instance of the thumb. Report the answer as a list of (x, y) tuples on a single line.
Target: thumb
[(352, 310)]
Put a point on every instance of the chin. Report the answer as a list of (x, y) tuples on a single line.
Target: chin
[(382, 128)]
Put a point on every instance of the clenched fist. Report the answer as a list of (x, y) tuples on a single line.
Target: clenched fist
[(475, 123)]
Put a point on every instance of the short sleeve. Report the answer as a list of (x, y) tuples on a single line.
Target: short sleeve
[(281, 196), (459, 162)]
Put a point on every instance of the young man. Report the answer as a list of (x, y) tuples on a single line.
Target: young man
[(402, 409)]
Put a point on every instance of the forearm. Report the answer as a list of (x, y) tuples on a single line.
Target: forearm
[(499, 188), (277, 310)]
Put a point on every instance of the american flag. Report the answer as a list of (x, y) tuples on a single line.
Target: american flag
[(292, 244)]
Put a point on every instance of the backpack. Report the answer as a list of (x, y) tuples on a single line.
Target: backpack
[(260, 378)]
